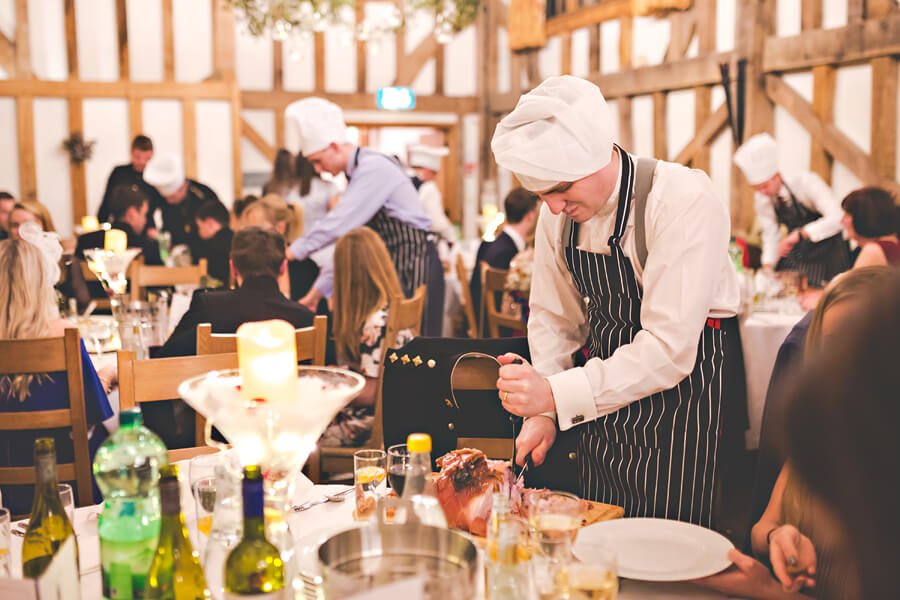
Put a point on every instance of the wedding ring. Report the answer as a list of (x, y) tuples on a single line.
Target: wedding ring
[(505, 396)]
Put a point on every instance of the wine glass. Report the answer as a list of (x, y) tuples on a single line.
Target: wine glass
[(554, 519), (67, 498), (398, 461), (594, 580)]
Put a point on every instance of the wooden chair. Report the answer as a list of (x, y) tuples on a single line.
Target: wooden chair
[(493, 282), (479, 372), (51, 355), (468, 305), (403, 314), (158, 379), (144, 276), (310, 341)]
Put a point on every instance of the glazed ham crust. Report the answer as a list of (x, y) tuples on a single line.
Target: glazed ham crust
[(465, 488)]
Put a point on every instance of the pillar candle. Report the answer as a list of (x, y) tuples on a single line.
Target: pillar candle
[(267, 357), (116, 240)]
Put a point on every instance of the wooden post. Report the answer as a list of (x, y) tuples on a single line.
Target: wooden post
[(168, 41), (189, 136), (76, 170), (811, 14), (237, 167), (596, 53), (565, 41), (626, 129), (702, 104), (277, 69), (884, 100), (451, 196), (223, 39), (23, 47), (319, 44), (25, 139), (135, 116), (71, 39), (626, 32), (820, 161), (122, 36), (660, 137), (439, 69), (361, 65)]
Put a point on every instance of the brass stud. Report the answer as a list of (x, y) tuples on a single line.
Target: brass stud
[(431, 363), (405, 359), (417, 360), (451, 426), (393, 357), (448, 403), (571, 456)]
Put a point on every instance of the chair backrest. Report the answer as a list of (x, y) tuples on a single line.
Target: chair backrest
[(144, 276), (403, 313), (493, 282), (468, 306), (476, 372), (51, 355), (157, 379), (310, 341)]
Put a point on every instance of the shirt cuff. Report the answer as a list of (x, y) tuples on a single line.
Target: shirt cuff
[(324, 283), (573, 397), (298, 250)]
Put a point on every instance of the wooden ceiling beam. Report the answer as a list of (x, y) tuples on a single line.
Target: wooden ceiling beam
[(843, 45), (706, 133), (410, 63), (603, 10), (210, 89), (678, 75), (257, 140), (279, 100)]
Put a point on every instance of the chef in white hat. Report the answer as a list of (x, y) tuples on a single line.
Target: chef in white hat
[(804, 204), (184, 196), (426, 161), (631, 271), (379, 194)]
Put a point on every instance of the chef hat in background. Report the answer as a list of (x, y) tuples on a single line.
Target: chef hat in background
[(427, 157), (165, 172), (758, 158), (316, 123), (559, 131)]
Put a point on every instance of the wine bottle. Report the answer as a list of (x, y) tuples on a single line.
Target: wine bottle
[(49, 525), (254, 567), (175, 573)]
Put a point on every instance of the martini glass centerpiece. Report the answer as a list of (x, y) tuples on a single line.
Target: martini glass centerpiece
[(110, 266)]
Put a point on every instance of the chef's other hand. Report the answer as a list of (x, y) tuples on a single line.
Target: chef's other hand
[(311, 299), (522, 390), (747, 578), (537, 435), (793, 558), (788, 242)]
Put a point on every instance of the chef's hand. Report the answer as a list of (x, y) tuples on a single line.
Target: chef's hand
[(311, 299), (748, 578), (522, 391), (788, 242), (787, 547), (537, 435)]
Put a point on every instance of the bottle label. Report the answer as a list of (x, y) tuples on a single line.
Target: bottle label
[(279, 595)]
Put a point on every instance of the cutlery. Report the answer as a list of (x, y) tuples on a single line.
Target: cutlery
[(338, 497)]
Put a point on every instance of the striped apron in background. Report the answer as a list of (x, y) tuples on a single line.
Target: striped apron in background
[(655, 457)]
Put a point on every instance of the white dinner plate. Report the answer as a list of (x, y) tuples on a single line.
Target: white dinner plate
[(657, 549)]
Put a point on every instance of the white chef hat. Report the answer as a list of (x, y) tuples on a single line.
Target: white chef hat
[(758, 158), (165, 172), (428, 157), (316, 122), (559, 131)]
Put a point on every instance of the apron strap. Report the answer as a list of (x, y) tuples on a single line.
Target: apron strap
[(643, 181)]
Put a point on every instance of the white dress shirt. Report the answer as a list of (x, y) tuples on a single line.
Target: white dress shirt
[(812, 192), (517, 238), (433, 203), (687, 278)]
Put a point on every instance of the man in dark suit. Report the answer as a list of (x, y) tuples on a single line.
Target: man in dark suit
[(257, 260), (215, 238), (129, 211), (521, 217), (132, 174)]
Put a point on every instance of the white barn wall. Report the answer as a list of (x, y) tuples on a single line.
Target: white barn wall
[(192, 37), (47, 30), (106, 122), (162, 122), (214, 155), (51, 126), (9, 156), (98, 53), (460, 73), (145, 45), (263, 121)]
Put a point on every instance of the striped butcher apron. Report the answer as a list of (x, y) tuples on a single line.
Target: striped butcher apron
[(655, 457), (417, 262)]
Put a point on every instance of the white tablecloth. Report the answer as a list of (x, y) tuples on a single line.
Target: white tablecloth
[(323, 519), (761, 336)]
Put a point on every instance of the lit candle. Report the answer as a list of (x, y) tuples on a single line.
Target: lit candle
[(267, 357), (116, 240), (89, 223), (488, 211)]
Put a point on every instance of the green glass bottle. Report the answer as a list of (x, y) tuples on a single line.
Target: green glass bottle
[(175, 573), (254, 567), (49, 526)]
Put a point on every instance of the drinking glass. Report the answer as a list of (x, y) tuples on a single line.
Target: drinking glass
[(4, 543), (67, 498), (215, 486), (594, 580), (554, 519), (398, 461), (369, 480), (164, 239)]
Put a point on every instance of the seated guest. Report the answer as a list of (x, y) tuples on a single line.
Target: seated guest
[(257, 259), (870, 219), (25, 211), (7, 201), (215, 238), (28, 310), (793, 533), (520, 207), (183, 197), (237, 209), (128, 210), (364, 282), (129, 175)]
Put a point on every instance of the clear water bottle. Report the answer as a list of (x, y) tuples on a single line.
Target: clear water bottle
[(419, 487), (126, 468), (505, 565)]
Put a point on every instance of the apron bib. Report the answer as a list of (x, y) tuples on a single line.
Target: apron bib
[(655, 457)]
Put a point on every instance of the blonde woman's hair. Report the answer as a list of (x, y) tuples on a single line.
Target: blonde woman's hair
[(271, 211), (364, 281), (27, 304), (39, 211), (851, 284)]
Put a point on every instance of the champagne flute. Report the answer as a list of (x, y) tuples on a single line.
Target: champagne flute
[(67, 497)]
